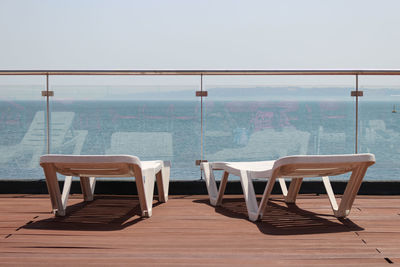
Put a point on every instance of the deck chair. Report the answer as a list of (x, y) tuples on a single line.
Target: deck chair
[(292, 167), (90, 167)]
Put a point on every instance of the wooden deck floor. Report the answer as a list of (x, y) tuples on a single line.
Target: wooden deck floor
[(187, 231)]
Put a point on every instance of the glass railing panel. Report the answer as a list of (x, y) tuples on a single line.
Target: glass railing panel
[(22, 127), (151, 117), (379, 127), (265, 118)]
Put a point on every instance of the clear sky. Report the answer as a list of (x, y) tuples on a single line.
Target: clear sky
[(206, 34)]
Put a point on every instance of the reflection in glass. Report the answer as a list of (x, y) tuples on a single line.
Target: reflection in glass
[(167, 130), (240, 131), (379, 134), (23, 138)]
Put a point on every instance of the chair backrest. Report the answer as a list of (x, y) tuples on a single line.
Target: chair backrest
[(321, 165), (98, 166), (268, 143), (147, 145), (330, 142)]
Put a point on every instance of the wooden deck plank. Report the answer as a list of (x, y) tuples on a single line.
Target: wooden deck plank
[(142, 261), (188, 231)]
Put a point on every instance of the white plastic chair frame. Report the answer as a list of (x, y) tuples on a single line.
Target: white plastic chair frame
[(90, 167), (295, 168)]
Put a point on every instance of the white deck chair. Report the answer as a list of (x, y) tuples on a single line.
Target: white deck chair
[(295, 168), (89, 167)]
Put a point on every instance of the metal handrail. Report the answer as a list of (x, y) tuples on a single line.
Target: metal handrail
[(202, 72)]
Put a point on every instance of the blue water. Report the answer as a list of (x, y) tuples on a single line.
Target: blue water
[(171, 130)]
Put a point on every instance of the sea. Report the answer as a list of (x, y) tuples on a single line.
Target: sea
[(184, 131)]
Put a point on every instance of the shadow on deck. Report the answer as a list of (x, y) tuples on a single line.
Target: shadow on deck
[(102, 214), (286, 219), (116, 213)]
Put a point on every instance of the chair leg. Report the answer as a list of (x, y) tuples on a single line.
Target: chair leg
[(160, 188), (294, 189), (249, 195), (210, 182), (66, 190), (87, 186), (351, 191), (222, 186), (331, 195), (149, 181), (266, 195), (54, 190), (282, 183), (163, 182), (140, 186)]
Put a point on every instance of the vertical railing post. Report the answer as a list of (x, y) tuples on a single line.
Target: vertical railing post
[(47, 114), (201, 123), (201, 94), (357, 93), (356, 137)]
